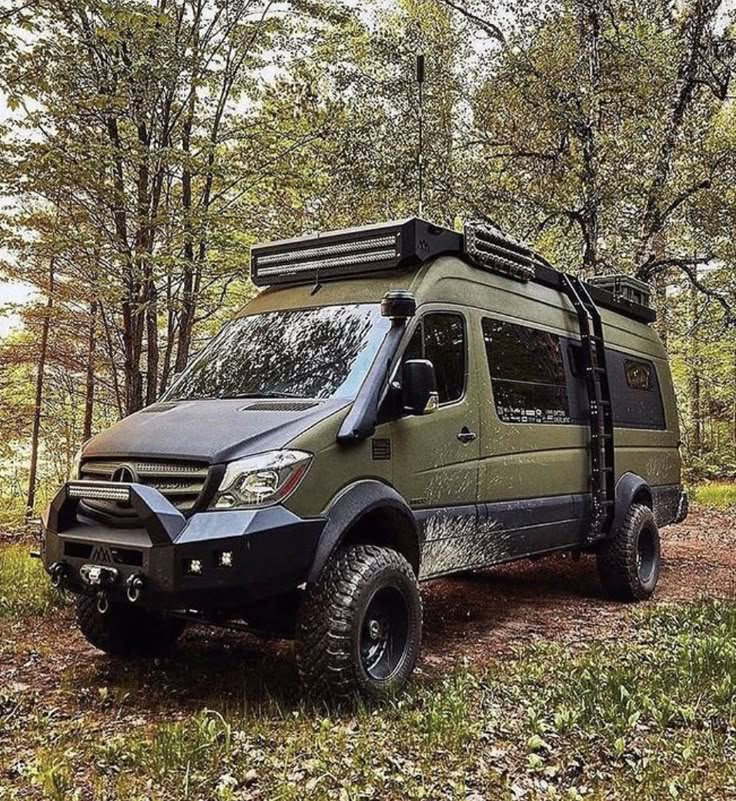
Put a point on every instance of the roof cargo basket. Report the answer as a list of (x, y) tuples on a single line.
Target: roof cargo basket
[(624, 287), (351, 253)]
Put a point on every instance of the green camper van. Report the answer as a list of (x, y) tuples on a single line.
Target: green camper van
[(399, 402)]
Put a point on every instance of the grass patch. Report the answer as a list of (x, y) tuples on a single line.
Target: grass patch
[(715, 494), (24, 586), (653, 717)]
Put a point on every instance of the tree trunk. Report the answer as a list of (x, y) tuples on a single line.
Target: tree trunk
[(660, 292), (113, 366), (695, 401), (588, 133), (151, 343), (89, 389), (170, 334), (699, 18), (733, 406), (36, 429), (186, 316)]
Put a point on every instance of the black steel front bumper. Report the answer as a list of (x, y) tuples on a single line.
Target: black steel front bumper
[(271, 550)]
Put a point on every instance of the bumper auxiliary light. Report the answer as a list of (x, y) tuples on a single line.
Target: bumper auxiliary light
[(193, 567)]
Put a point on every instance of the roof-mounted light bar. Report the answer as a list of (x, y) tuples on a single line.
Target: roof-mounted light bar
[(489, 248), (353, 252)]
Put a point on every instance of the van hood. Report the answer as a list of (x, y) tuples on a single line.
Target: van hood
[(212, 431)]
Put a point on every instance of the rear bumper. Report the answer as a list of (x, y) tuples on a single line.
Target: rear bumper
[(670, 504), (271, 550)]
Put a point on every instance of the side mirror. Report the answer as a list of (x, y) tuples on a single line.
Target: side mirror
[(419, 387)]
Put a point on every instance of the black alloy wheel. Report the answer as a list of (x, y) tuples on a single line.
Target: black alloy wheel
[(384, 639)]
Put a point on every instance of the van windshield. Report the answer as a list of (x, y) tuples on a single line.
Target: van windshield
[(302, 353)]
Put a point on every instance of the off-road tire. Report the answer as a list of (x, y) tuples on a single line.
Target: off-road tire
[(333, 615), (127, 631), (618, 556)]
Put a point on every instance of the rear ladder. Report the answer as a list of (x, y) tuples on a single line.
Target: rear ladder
[(602, 476)]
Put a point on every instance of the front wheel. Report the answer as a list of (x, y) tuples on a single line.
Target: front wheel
[(126, 630), (629, 561), (360, 626)]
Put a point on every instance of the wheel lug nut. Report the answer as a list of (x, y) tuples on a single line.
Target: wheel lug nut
[(374, 629)]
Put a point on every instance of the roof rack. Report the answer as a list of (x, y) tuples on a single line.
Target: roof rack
[(352, 252), (407, 244)]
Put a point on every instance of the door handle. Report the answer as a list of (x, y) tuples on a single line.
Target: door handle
[(466, 435)]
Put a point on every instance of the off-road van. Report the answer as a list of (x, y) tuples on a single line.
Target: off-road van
[(400, 402)]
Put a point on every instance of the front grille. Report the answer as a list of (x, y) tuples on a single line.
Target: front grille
[(180, 482)]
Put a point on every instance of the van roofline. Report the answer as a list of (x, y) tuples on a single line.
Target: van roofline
[(407, 244)]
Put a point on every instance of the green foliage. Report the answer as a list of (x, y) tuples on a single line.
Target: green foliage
[(679, 672), (718, 496), (24, 586), (142, 167), (642, 717)]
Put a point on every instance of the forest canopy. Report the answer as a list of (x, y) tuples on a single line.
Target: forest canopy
[(148, 145)]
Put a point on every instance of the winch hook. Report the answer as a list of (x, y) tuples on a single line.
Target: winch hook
[(103, 604)]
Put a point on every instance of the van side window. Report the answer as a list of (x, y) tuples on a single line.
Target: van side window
[(635, 392), (527, 373), (440, 337)]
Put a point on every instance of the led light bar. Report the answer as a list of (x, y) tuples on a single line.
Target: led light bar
[(489, 248), (353, 252), (98, 491)]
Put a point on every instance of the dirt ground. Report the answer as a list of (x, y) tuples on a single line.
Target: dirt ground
[(474, 618)]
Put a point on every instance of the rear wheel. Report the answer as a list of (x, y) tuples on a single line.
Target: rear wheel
[(126, 630), (629, 561), (360, 627)]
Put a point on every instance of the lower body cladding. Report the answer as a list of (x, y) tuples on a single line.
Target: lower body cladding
[(215, 560), (459, 538)]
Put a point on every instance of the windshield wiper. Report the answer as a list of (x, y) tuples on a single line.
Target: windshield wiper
[(243, 395)]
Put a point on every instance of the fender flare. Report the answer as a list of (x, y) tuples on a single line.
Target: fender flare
[(629, 487), (353, 504)]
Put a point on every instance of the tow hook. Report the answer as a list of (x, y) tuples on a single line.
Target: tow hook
[(57, 571), (134, 587), (103, 604)]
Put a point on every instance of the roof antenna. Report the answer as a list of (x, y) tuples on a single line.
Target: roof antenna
[(420, 155)]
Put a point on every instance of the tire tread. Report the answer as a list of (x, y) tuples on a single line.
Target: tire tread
[(325, 624), (616, 556)]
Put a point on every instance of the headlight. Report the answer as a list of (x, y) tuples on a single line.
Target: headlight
[(261, 480)]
